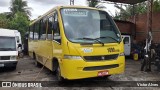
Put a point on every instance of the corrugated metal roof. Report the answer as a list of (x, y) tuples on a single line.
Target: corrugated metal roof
[(127, 1)]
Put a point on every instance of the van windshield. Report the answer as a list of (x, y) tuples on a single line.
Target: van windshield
[(89, 26), (7, 43)]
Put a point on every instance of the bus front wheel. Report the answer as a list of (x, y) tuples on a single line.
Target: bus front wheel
[(58, 75)]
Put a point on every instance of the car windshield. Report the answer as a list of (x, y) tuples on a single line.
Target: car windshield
[(7, 43), (89, 26)]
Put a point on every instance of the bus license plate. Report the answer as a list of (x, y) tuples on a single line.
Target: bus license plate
[(103, 73), (1, 65)]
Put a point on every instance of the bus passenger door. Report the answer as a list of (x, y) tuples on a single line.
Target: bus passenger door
[(57, 49)]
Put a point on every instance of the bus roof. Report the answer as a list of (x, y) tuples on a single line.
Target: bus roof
[(59, 7)]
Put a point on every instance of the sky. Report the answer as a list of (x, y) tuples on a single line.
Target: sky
[(39, 7)]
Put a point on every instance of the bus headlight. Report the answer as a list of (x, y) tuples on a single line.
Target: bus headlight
[(72, 57), (13, 58), (121, 54)]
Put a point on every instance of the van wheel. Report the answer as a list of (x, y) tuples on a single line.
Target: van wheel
[(58, 75), (14, 67)]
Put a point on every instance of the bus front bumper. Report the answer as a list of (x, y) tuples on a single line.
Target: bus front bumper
[(78, 69)]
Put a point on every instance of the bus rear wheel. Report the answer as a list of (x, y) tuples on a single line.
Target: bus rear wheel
[(37, 64)]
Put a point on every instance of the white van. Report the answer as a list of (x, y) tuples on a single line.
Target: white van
[(19, 41), (8, 48), (127, 44)]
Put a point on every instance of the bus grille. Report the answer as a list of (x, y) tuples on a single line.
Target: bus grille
[(101, 67), (101, 58), (4, 57)]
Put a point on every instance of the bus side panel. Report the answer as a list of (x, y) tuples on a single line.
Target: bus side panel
[(57, 51), (44, 53), (31, 48)]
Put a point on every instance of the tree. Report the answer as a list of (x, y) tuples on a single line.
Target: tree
[(156, 6), (4, 21), (140, 8), (19, 17), (20, 6), (129, 10), (20, 22), (92, 3)]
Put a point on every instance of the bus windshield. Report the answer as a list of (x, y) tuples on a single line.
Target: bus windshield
[(7, 43), (89, 26)]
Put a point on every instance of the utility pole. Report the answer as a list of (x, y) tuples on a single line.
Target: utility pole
[(147, 57), (149, 35), (71, 2), (149, 24), (149, 17)]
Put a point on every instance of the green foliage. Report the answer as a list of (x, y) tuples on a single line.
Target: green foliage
[(92, 3), (20, 22), (156, 6), (4, 21), (130, 10), (20, 6), (18, 18), (140, 8)]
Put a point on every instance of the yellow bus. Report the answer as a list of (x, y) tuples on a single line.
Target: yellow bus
[(77, 42)]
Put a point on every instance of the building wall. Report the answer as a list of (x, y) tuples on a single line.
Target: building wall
[(125, 27), (141, 27)]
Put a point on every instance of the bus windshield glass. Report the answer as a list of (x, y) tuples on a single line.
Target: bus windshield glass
[(7, 43), (89, 26)]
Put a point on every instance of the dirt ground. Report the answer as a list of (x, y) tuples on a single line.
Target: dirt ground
[(27, 71)]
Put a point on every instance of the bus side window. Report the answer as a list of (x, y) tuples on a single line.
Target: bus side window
[(36, 35), (39, 31), (33, 27), (56, 30), (43, 29), (31, 33), (50, 29)]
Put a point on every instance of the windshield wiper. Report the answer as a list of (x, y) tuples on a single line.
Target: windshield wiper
[(110, 37), (96, 39)]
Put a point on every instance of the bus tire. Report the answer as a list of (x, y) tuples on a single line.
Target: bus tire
[(58, 75), (36, 63), (34, 56), (104, 77), (107, 76), (54, 66)]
